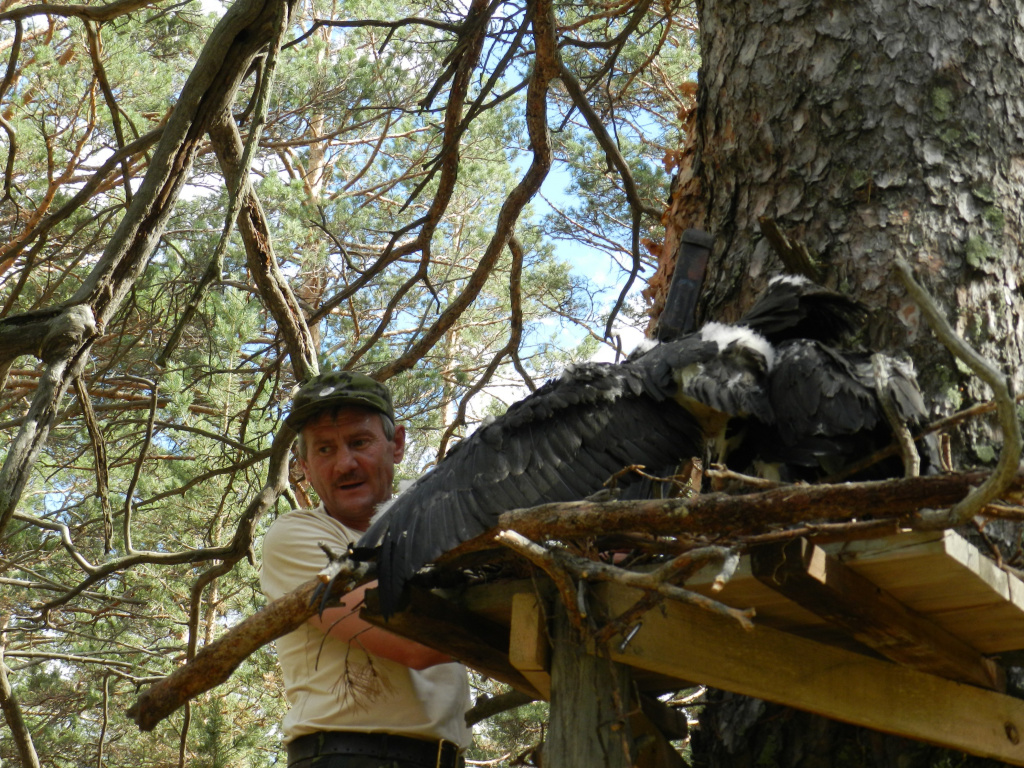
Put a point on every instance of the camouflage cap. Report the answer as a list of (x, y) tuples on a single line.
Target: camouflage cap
[(337, 389)]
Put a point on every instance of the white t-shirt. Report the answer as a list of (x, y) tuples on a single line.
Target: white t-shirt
[(336, 686)]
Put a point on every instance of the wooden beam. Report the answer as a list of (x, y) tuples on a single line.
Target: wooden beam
[(693, 644), (819, 582), (529, 648), (441, 624)]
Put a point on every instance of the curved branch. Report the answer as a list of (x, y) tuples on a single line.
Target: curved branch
[(95, 44), (1002, 387), (544, 70), (615, 158), (511, 348), (392, 25)]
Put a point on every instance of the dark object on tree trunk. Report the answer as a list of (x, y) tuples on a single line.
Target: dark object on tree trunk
[(680, 314)]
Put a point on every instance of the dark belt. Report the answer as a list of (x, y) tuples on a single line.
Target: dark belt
[(420, 752)]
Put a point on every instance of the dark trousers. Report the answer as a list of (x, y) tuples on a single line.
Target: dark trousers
[(371, 750)]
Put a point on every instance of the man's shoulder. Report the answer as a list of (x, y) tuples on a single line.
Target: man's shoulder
[(291, 548), (309, 521)]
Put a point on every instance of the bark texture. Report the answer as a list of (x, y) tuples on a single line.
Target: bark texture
[(864, 131)]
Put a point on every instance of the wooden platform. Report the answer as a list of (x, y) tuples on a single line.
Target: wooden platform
[(908, 634), (938, 575)]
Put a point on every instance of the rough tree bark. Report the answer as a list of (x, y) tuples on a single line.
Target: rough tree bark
[(865, 131)]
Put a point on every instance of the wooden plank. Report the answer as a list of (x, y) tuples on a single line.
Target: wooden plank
[(939, 575), (945, 577), (695, 644), (529, 649), (809, 576), (441, 624)]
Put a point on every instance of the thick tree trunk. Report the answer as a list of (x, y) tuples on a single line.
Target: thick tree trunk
[(865, 131)]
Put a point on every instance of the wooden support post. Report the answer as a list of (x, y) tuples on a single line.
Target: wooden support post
[(528, 649), (590, 697), (819, 582)]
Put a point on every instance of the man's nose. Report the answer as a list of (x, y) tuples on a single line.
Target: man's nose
[(344, 460)]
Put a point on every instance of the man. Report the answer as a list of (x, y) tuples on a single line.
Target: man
[(360, 696)]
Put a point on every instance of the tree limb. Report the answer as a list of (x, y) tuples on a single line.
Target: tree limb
[(1002, 386), (215, 662)]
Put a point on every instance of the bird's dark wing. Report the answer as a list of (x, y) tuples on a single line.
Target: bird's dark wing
[(721, 368), (823, 412), (559, 444), (795, 308), (828, 414), (815, 392)]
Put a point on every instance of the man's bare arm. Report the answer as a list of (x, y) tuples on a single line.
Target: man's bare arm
[(343, 623)]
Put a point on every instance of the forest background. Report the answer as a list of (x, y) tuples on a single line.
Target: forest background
[(397, 158)]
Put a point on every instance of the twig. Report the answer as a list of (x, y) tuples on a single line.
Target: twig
[(1003, 512), (1002, 387), (560, 565), (866, 529), (544, 559), (719, 472)]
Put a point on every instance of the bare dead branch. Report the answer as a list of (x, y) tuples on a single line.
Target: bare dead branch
[(545, 559), (747, 514), (1002, 386), (215, 662)]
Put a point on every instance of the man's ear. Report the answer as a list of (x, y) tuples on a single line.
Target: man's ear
[(399, 442)]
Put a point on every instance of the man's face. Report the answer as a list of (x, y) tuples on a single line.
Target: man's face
[(350, 463)]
